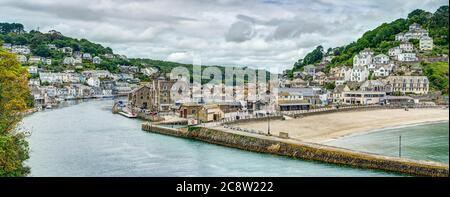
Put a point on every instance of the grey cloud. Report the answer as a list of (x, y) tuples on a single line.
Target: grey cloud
[(239, 32), (266, 33)]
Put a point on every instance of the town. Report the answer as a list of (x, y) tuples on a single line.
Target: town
[(146, 99), (374, 79)]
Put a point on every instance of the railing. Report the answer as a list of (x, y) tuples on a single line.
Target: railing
[(359, 107)]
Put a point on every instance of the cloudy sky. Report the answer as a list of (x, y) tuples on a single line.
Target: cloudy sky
[(257, 33)]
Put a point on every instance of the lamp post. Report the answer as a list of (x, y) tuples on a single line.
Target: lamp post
[(267, 113)]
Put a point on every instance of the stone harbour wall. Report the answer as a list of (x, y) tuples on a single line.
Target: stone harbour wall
[(306, 151)]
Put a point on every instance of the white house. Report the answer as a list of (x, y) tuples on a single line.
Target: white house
[(67, 50), (407, 57), (109, 56), (22, 58), (383, 70), (400, 37), (87, 56), (406, 84), (359, 73), (426, 43), (366, 51), (52, 46), (93, 82), (414, 26), (7, 46), (32, 70), (407, 47), (381, 59), (364, 58), (415, 32), (394, 51), (34, 82), (346, 73), (362, 97), (97, 73), (96, 60), (69, 61), (20, 49), (78, 60), (34, 59), (310, 69)]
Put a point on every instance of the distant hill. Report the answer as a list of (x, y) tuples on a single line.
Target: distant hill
[(15, 34)]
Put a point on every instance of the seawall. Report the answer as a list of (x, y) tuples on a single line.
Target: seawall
[(306, 151)]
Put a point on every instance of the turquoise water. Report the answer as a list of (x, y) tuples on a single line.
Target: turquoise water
[(86, 139), (423, 142)]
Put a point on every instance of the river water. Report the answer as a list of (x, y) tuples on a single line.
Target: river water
[(86, 139)]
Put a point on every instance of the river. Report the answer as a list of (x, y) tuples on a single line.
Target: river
[(86, 139)]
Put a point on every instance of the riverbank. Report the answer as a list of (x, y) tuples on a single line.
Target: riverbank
[(325, 127), (303, 150), (101, 144)]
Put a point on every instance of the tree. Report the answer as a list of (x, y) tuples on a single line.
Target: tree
[(14, 95), (6, 28), (42, 50)]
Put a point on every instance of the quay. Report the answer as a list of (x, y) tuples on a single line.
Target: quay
[(304, 150)]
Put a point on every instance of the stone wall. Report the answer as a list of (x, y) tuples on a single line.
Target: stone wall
[(307, 151)]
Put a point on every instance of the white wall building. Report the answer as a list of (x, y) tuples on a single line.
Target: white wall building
[(408, 84), (93, 82), (426, 43), (359, 73), (383, 70), (407, 57), (32, 70), (407, 47), (381, 59), (394, 51), (20, 49), (22, 59), (96, 60), (362, 97), (34, 59)]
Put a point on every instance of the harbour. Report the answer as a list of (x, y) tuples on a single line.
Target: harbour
[(81, 143)]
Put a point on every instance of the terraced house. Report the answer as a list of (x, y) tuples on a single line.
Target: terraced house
[(408, 84)]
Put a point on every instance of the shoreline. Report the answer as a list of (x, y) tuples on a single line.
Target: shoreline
[(323, 128), (365, 132)]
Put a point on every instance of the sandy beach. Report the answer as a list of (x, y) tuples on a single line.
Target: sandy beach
[(322, 128)]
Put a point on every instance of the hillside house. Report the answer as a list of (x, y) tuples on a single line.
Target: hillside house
[(381, 59), (408, 84), (407, 57), (22, 59), (426, 43), (395, 51)]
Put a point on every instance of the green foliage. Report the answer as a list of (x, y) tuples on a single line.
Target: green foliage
[(13, 152), (45, 83), (42, 50), (313, 57), (6, 28), (437, 73), (329, 85), (14, 99)]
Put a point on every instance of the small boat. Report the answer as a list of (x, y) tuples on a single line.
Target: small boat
[(128, 115), (48, 107)]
